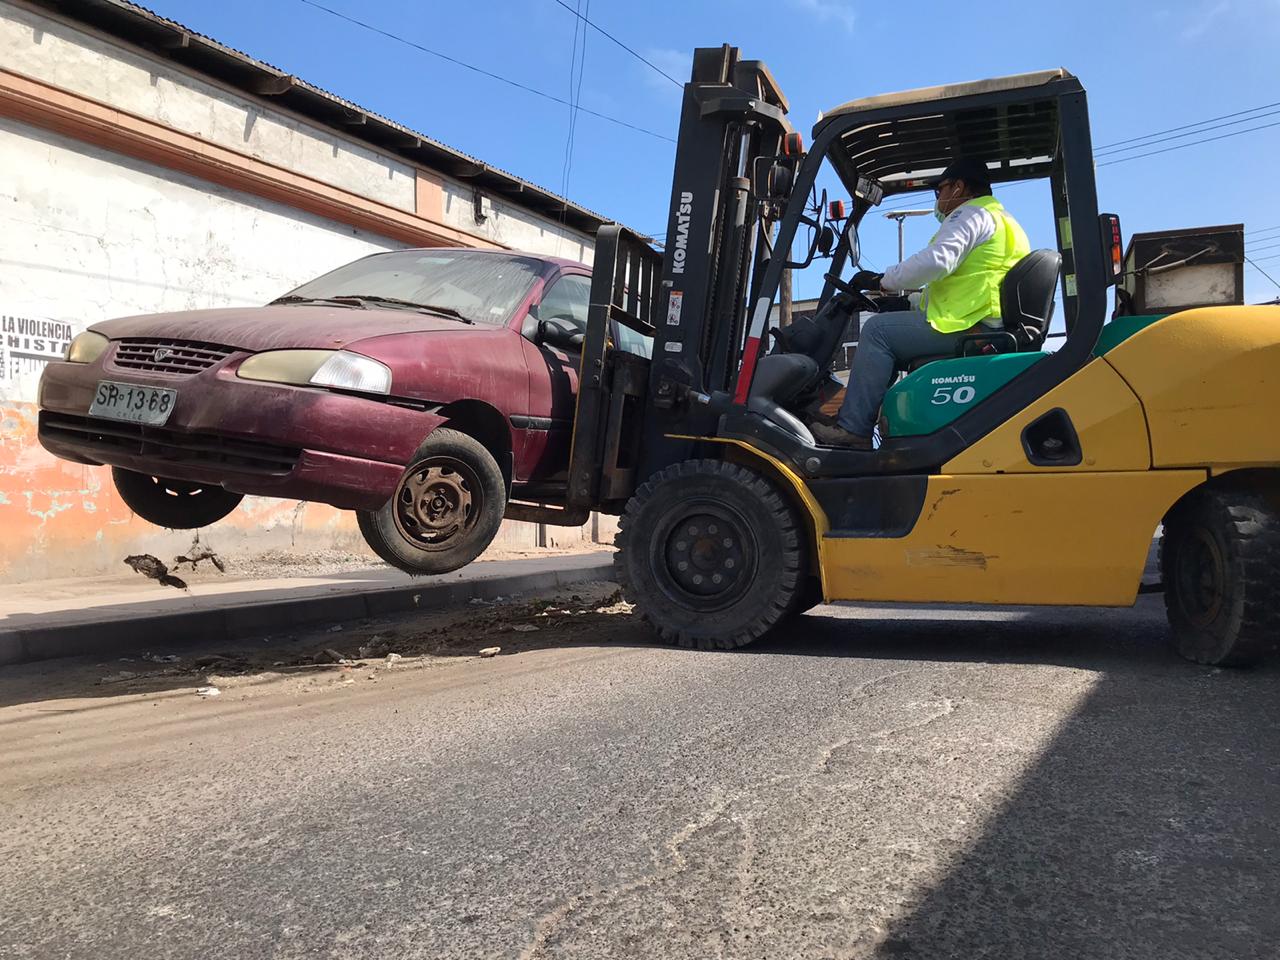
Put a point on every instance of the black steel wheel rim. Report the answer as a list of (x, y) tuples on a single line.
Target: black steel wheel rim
[(1200, 577), (437, 502), (704, 555)]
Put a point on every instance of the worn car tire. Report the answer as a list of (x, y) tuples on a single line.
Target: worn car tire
[(175, 504), (446, 510), (711, 554), (1220, 562)]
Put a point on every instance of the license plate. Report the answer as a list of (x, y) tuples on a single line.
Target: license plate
[(131, 402)]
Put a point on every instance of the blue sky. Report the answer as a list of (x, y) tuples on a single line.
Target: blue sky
[(1147, 67)]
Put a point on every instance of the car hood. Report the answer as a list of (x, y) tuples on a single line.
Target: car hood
[(279, 327)]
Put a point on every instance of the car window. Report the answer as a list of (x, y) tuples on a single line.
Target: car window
[(483, 287), (567, 299), (631, 341)]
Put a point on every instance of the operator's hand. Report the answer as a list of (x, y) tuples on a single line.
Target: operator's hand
[(866, 280)]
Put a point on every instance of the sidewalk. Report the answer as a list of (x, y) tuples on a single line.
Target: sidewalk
[(116, 614)]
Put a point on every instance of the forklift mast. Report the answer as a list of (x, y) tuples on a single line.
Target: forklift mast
[(733, 115), (691, 299)]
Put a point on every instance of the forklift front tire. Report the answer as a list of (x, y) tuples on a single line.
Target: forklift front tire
[(711, 554), (1220, 562)]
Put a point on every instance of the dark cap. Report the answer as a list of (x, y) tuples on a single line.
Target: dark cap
[(972, 172)]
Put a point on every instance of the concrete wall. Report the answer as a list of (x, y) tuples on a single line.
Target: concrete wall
[(511, 226), (87, 234)]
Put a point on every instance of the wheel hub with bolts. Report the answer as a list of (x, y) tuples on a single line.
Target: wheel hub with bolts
[(435, 502), (1201, 578), (706, 555)]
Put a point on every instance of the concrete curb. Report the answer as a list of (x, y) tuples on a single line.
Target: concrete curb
[(115, 633)]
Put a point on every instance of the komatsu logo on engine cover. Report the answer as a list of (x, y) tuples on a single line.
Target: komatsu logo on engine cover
[(962, 378), (684, 213)]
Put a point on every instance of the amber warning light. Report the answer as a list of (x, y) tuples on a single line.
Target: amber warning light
[(1114, 243)]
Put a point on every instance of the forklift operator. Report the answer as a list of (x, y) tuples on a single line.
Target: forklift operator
[(960, 270)]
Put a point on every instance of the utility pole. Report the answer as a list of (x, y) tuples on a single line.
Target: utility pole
[(784, 299), (901, 216)]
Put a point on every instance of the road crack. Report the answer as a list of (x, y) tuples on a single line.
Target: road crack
[(547, 924)]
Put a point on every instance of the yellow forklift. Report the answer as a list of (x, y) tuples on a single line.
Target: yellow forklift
[(1005, 474)]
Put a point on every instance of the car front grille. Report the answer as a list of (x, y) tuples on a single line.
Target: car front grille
[(181, 357), (102, 438)]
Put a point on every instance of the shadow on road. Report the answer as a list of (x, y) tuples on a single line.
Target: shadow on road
[(1150, 827)]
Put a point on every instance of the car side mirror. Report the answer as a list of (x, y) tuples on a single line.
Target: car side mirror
[(559, 332)]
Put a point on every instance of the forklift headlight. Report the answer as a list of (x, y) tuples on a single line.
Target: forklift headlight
[(318, 368), (87, 347)]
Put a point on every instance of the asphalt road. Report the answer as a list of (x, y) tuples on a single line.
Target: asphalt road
[(875, 783)]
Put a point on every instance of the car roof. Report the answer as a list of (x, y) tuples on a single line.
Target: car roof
[(525, 254)]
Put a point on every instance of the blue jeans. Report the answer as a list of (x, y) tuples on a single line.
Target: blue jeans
[(889, 341)]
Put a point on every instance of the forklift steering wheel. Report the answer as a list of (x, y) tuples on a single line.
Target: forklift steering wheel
[(860, 300)]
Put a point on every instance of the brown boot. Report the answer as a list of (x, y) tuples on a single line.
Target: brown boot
[(837, 436)]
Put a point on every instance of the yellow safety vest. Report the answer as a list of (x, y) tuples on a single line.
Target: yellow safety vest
[(971, 293)]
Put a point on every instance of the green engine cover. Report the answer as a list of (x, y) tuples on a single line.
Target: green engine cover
[(938, 392)]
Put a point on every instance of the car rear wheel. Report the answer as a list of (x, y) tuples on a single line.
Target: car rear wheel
[(446, 509), (1220, 562), (176, 504)]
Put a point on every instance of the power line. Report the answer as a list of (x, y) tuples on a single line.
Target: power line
[(1251, 233), (1264, 273), (1266, 246), (1186, 126), (486, 73), (583, 17), (1193, 143), (1179, 136), (577, 65)]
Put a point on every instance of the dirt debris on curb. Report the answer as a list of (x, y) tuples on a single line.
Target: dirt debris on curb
[(367, 650)]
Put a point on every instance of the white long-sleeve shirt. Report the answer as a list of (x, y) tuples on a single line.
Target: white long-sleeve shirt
[(963, 230)]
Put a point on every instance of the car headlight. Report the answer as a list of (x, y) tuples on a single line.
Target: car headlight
[(320, 368), (87, 347)]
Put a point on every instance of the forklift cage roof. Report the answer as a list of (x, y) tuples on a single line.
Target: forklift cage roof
[(905, 139)]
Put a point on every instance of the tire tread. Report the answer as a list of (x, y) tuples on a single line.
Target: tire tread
[(1251, 530), (786, 585)]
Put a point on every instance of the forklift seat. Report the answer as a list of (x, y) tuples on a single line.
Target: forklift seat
[(779, 379), (1026, 307)]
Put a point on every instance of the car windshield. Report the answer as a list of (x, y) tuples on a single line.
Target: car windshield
[(477, 287)]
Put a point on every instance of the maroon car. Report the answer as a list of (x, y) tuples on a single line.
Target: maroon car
[(420, 388)]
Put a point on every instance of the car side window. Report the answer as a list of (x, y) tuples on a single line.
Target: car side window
[(567, 299)]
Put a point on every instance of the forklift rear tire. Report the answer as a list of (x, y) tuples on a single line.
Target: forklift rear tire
[(711, 554), (1220, 562)]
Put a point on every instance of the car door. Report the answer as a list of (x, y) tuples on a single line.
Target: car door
[(553, 373)]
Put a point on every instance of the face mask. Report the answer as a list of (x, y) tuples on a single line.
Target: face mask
[(937, 212)]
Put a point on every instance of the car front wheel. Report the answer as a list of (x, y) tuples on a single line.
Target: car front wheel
[(175, 504), (446, 509)]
